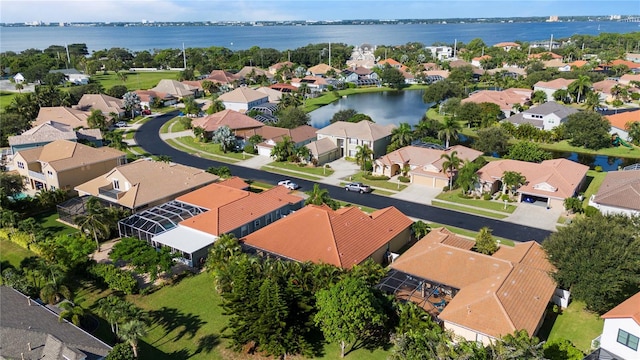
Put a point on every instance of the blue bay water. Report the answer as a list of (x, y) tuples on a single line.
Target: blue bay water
[(137, 38)]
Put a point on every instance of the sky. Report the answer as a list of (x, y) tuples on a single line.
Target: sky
[(54, 11)]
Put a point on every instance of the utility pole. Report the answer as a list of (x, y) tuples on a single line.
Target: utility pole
[(184, 57)]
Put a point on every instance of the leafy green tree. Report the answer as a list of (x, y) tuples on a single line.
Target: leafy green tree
[(142, 256), (493, 139), (131, 332), (580, 86), (633, 128), (292, 117), (222, 171), (319, 196), (219, 261), (363, 154), (402, 135), (449, 130), (95, 222), (116, 141), (573, 205), (10, 184), (591, 101), (485, 242), (392, 77), (96, 120), (561, 349), (53, 293), (528, 151), (538, 97), (443, 90), (518, 345), (512, 180), (602, 268), (588, 129), (121, 351), (348, 311), (225, 137), (284, 149), (117, 91), (451, 165), (467, 176), (420, 229), (72, 312)]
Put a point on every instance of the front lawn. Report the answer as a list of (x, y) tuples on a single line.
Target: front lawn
[(470, 210), (317, 171), (173, 125), (384, 184), (454, 196), (6, 97), (578, 325), (211, 149)]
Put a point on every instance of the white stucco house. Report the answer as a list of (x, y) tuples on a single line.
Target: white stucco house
[(621, 332), (545, 117)]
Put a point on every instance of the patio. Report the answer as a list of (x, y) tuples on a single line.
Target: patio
[(149, 223)]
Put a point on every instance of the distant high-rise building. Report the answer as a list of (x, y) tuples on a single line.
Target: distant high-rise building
[(553, 18)]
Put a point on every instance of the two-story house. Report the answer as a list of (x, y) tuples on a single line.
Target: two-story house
[(64, 164), (347, 136), (106, 104), (545, 117), (620, 337)]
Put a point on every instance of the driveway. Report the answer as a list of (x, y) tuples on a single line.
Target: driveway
[(536, 216), (418, 193)]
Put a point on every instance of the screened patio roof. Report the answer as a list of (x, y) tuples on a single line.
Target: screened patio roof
[(160, 218), (185, 239)]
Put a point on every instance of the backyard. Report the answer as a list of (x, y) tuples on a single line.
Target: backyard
[(576, 324)]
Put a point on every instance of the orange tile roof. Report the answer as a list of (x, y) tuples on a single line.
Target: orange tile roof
[(505, 98), (507, 43), (621, 120), (498, 294), (423, 160), (231, 208), (235, 182), (539, 55), (344, 238), (233, 119), (629, 308), (559, 83)]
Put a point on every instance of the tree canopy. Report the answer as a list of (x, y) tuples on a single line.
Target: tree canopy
[(588, 129)]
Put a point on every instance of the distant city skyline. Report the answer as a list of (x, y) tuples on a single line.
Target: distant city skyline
[(55, 11)]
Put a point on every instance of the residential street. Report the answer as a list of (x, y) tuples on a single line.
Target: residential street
[(148, 137)]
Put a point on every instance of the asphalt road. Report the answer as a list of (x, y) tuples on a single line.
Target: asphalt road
[(148, 137)]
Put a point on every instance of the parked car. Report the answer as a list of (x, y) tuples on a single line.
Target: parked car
[(289, 184), (359, 187), (120, 124), (146, 112)]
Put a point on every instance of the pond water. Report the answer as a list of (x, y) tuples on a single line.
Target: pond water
[(395, 107), (384, 108)]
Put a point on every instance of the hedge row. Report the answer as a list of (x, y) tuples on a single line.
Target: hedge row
[(115, 278), (22, 239)]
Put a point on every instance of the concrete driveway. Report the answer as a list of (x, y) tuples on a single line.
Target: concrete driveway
[(418, 193), (536, 216)]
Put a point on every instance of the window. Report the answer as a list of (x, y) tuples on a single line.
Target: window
[(353, 141), (628, 340), (116, 184), (50, 174), (256, 223), (20, 165), (243, 230), (52, 187)]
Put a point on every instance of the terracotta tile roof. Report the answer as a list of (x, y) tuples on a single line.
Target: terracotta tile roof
[(299, 134), (147, 95), (620, 189), (423, 160), (73, 117), (363, 130), (627, 78), (235, 182), (507, 43), (578, 63), (221, 76), (275, 67), (497, 296), (246, 71), (389, 61), (143, 188), (556, 84), (505, 98), (233, 119), (627, 63), (443, 73), (193, 83), (242, 95), (343, 238), (321, 69), (557, 178), (483, 57), (63, 154), (554, 63), (604, 86), (174, 88), (233, 210), (621, 120), (539, 55), (629, 308), (213, 196), (106, 104)]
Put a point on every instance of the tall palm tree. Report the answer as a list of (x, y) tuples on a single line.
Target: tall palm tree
[(96, 222), (450, 130), (318, 196), (452, 164), (363, 153), (402, 135), (72, 312), (591, 101), (580, 85), (132, 331)]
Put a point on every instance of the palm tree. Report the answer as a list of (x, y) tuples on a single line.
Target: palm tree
[(591, 101), (97, 120), (72, 312), (452, 164), (95, 221), (319, 196), (164, 158), (580, 85), (633, 129), (402, 135), (511, 180), (132, 331), (363, 153), (19, 87), (122, 76), (53, 292), (420, 229), (450, 129)]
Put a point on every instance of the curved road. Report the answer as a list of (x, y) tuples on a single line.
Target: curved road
[(148, 137)]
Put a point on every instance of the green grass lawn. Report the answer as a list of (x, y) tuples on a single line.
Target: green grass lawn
[(173, 125), (594, 180), (620, 151), (6, 97), (384, 184), (468, 210), (578, 325), (316, 171), (50, 222), (453, 196), (13, 253), (285, 172), (135, 80), (211, 149)]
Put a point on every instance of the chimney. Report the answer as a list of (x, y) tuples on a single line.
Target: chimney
[(22, 356), (29, 300), (29, 345)]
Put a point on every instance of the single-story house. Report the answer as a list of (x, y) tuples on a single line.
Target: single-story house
[(424, 165), (73, 76), (347, 136), (73, 118), (550, 182), (603, 88), (51, 131), (626, 79), (238, 123), (550, 87), (137, 186), (343, 237), (506, 46), (619, 122), (243, 99), (321, 70), (621, 332), (176, 89), (505, 99), (222, 77), (313, 83), (300, 135), (64, 164), (149, 97), (249, 72), (273, 69), (30, 330), (478, 297), (545, 116), (18, 78), (619, 193), (105, 103)]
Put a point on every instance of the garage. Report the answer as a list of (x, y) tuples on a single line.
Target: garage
[(534, 199)]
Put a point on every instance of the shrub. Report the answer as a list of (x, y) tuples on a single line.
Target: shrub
[(486, 196), (375, 177), (464, 196), (445, 188), (368, 165), (598, 168), (115, 278), (404, 179), (250, 149), (590, 211), (505, 197)]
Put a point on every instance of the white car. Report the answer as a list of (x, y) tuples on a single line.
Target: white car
[(289, 184), (121, 124)]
